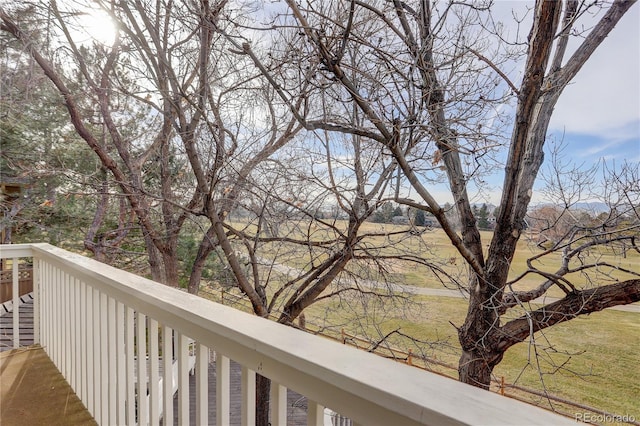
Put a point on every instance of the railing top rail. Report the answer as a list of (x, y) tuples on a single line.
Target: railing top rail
[(8, 251), (367, 388)]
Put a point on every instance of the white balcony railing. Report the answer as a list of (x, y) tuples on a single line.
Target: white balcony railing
[(102, 327)]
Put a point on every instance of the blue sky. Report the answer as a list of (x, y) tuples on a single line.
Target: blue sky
[(598, 115)]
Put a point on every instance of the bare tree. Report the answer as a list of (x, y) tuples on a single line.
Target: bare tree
[(428, 80), (392, 96), (202, 148), (171, 124)]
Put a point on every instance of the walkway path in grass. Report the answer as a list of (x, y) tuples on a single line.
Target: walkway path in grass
[(424, 291)]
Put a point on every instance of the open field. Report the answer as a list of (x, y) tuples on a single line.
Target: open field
[(591, 360), (434, 246), (439, 247)]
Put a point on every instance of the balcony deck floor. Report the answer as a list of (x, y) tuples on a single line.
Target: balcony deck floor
[(35, 393), (26, 323)]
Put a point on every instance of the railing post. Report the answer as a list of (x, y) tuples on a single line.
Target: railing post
[(36, 300), (16, 303)]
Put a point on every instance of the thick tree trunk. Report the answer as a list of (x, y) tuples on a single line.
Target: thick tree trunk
[(475, 368), (171, 270), (479, 356), (154, 259), (478, 335), (484, 346), (263, 390)]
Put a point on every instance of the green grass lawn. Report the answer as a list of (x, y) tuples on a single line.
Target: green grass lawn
[(602, 362), (435, 246), (592, 360)]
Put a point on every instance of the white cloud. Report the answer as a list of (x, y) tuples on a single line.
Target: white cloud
[(604, 98)]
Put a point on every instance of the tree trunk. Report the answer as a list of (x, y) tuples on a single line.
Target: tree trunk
[(263, 390), (155, 262), (93, 241), (204, 250), (484, 342), (476, 336), (475, 370), (170, 262)]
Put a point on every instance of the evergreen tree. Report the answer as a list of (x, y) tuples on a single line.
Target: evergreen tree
[(384, 213), (483, 217)]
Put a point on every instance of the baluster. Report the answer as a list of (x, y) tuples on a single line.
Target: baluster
[(141, 346), (77, 341), (104, 360), (15, 287), (37, 304), (167, 376), (66, 327), (84, 371), (112, 355), (278, 404), (97, 373), (57, 313), (90, 368), (202, 385), (121, 365), (154, 397), (130, 360), (222, 389), (183, 379), (315, 414), (248, 397)]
